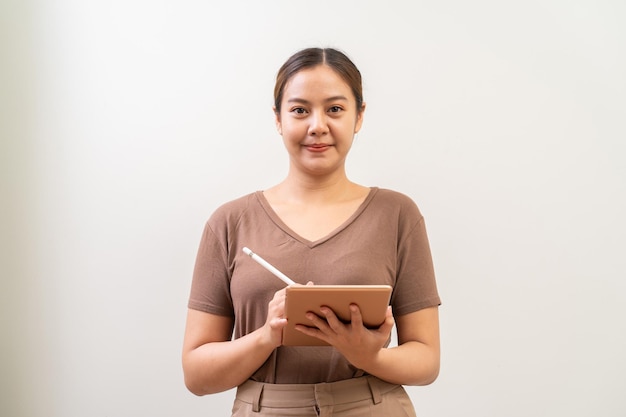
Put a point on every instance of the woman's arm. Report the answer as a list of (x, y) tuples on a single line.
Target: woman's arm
[(212, 362), (415, 361)]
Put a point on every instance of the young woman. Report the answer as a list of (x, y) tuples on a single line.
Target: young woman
[(317, 227)]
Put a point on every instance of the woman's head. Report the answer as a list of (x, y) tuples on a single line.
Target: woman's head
[(312, 57)]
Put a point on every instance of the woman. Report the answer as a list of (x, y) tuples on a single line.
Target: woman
[(317, 227)]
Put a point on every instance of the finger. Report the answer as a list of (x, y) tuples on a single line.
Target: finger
[(317, 321), (388, 323), (277, 303), (278, 323), (356, 318), (331, 319), (311, 331)]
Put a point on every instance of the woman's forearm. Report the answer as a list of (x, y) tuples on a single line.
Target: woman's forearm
[(412, 363), (220, 366)]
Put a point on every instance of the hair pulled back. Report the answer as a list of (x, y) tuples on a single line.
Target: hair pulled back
[(312, 57)]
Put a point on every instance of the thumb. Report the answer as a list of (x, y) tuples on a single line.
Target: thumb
[(389, 320)]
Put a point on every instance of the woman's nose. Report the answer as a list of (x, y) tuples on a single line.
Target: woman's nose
[(319, 125)]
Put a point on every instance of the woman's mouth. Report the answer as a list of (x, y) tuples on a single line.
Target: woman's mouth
[(318, 147)]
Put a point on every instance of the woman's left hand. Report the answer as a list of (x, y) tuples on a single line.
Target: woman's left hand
[(358, 344)]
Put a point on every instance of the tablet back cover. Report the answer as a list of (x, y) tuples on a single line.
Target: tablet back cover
[(371, 299)]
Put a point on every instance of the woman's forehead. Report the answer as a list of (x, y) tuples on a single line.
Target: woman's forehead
[(320, 80)]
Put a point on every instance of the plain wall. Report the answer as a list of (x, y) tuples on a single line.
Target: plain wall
[(126, 123)]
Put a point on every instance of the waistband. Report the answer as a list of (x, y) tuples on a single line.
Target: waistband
[(261, 394)]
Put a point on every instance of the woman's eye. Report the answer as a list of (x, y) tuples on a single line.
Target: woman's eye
[(298, 110), (335, 109)]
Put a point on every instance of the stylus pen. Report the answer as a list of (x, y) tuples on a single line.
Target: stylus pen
[(268, 266)]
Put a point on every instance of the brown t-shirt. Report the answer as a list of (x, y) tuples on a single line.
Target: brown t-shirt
[(383, 242)]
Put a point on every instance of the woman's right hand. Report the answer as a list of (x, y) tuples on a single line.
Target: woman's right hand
[(275, 321)]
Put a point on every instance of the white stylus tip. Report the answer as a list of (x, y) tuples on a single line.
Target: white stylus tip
[(247, 251)]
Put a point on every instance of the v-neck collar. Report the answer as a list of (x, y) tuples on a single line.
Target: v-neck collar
[(311, 244)]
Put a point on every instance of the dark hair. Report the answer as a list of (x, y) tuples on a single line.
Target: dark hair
[(312, 57)]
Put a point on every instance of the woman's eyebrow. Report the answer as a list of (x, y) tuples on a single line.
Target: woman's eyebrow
[(304, 101)]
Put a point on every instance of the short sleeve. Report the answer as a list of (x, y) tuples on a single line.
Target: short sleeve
[(210, 287), (416, 287)]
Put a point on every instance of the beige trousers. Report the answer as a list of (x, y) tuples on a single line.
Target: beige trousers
[(364, 396)]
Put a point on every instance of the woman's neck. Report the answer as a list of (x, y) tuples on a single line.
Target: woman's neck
[(304, 189)]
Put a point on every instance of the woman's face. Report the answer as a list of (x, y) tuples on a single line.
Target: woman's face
[(318, 120)]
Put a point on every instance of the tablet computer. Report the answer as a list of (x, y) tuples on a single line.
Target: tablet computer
[(300, 299)]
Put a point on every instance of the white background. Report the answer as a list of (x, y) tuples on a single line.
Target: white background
[(125, 123)]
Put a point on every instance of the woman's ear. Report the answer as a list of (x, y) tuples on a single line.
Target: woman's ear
[(279, 126), (359, 119)]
